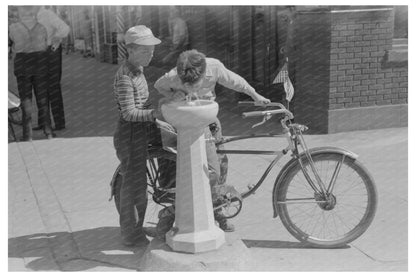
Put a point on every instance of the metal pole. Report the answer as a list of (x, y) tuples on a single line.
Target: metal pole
[(121, 46)]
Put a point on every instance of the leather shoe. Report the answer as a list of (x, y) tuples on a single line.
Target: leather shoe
[(37, 128), (26, 139), (50, 135), (142, 241), (153, 232)]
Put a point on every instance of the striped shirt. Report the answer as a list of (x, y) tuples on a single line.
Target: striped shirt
[(132, 93)]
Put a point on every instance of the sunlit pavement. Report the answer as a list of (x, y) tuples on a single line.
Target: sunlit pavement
[(60, 217)]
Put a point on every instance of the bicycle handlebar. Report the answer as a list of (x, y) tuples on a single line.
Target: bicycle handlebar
[(282, 110), (251, 103)]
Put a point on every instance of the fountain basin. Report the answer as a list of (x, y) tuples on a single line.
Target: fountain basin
[(198, 113)]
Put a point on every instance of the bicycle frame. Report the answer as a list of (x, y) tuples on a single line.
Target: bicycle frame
[(293, 141), (278, 155), (293, 134)]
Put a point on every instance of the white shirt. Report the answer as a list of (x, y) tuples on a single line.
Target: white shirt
[(55, 27), (215, 73)]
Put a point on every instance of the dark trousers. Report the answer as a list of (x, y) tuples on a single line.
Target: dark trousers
[(54, 61), (31, 75), (25, 85), (131, 140)]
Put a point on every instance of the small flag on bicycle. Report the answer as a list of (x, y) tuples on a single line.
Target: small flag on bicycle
[(283, 77), (289, 89)]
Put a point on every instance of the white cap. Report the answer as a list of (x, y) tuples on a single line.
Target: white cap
[(140, 35)]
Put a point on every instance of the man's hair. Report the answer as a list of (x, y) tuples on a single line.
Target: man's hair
[(191, 66)]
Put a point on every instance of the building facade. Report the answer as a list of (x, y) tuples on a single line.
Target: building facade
[(348, 64)]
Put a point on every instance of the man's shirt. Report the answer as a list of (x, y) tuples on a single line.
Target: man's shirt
[(132, 93), (179, 32), (28, 39), (215, 72), (55, 27)]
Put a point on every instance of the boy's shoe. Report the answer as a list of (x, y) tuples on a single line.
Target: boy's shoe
[(142, 241), (59, 128), (154, 233), (223, 222), (166, 220), (225, 225)]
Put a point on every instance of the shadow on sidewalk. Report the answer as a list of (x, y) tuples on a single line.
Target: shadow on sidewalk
[(94, 247), (281, 244)]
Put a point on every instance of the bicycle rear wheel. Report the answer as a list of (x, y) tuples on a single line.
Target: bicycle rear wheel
[(343, 217), (157, 199)]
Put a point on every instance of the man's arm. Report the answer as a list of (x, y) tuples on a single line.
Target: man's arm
[(61, 28), (165, 85), (162, 85), (125, 98), (179, 34), (233, 81)]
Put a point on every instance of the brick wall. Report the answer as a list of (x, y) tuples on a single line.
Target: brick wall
[(345, 78), (359, 75)]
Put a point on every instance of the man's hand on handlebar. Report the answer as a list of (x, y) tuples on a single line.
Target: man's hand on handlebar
[(260, 100)]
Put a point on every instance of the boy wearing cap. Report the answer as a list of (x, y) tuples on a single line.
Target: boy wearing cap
[(134, 130)]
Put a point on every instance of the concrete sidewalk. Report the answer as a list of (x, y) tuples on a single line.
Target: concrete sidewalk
[(60, 218)]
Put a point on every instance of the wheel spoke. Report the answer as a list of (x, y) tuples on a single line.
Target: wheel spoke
[(335, 176), (349, 205)]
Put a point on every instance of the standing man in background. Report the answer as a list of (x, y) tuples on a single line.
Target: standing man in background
[(29, 41), (178, 37), (57, 30), (86, 32)]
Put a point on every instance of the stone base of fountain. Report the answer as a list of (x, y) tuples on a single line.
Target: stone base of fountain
[(232, 256)]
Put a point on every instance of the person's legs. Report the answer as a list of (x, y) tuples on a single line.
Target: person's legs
[(216, 131), (131, 146), (24, 86), (167, 168), (54, 87), (218, 165), (41, 93), (212, 158)]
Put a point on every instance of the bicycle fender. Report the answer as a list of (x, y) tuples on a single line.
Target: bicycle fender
[(293, 162)]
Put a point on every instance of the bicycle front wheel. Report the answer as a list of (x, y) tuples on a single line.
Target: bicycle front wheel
[(343, 216)]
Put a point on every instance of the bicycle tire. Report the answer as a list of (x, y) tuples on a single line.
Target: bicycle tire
[(305, 231), (153, 153), (15, 116)]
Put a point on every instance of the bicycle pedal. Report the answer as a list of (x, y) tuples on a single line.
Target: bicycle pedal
[(250, 187)]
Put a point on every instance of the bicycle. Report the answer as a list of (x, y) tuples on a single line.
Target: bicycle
[(303, 191), (14, 113)]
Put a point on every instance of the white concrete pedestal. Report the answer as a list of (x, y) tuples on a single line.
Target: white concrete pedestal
[(233, 256), (195, 230)]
